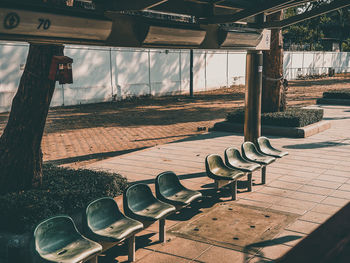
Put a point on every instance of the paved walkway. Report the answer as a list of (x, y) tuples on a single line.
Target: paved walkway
[(78, 135), (310, 185)]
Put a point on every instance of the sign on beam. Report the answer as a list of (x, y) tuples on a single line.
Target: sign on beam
[(24, 24), (265, 40)]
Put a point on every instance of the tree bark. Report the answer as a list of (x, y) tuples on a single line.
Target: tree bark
[(20, 144), (273, 92)]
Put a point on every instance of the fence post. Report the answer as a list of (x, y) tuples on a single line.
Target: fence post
[(191, 73)]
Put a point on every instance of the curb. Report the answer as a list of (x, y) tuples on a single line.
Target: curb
[(292, 132), (334, 101)]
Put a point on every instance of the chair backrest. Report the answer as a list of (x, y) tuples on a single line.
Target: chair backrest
[(167, 183), (249, 150), (264, 143), (54, 233), (232, 156), (137, 197), (101, 213), (213, 163)]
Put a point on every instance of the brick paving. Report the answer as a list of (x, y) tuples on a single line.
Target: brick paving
[(311, 183), (79, 135)]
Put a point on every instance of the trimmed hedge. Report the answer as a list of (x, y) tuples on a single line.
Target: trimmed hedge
[(64, 191), (292, 117), (337, 94)]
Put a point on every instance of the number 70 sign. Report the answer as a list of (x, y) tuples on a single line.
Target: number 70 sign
[(26, 25)]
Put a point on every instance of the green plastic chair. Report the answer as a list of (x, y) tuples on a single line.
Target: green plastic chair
[(170, 190), (103, 222), (265, 147), (57, 240), (140, 204), (250, 153), (222, 175), (233, 159)]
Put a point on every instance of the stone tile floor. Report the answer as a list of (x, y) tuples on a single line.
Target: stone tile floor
[(312, 183)]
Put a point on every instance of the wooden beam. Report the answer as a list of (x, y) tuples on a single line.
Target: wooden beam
[(252, 120), (249, 12), (183, 7), (128, 5)]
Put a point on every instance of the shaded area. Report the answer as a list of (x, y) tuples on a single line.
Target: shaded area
[(315, 145), (329, 243), (142, 111), (322, 82), (255, 248), (95, 156)]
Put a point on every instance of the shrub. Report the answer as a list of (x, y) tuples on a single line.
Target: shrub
[(337, 94), (292, 117), (64, 191)]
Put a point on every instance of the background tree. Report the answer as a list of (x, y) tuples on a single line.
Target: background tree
[(20, 144), (320, 32), (273, 93), (308, 35)]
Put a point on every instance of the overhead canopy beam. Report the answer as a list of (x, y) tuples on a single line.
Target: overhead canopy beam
[(129, 5), (182, 7), (323, 9), (258, 9)]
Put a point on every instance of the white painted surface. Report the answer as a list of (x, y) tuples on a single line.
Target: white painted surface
[(104, 74), (310, 63)]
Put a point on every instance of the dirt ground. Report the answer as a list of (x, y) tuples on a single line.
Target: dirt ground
[(78, 135)]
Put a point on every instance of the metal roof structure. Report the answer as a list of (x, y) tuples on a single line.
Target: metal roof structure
[(205, 24)]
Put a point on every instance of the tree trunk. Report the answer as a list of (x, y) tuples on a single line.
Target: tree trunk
[(20, 143), (273, 92)]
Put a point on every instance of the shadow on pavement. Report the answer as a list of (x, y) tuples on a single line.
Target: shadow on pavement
[(316, 145), (255, 248)]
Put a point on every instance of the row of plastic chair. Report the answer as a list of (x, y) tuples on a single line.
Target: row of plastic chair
[(237, 165), (58, 240)]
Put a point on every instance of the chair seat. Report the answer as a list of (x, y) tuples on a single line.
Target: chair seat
[(183, 197), (247, 167), (224, 173), (263, 160), (155, 211), (274, 152), (233, 159), (266, 148), (118, 230), (74, 252)]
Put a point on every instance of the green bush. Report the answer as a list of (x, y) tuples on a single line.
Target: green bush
[(337, 94), (64, 191), (292, 117)]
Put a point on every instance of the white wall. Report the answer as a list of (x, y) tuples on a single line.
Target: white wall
[(103, 73)]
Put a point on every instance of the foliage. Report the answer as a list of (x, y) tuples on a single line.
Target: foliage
[(320, 32), (337, 94), (292, 117), (346, 45), (64, 191)]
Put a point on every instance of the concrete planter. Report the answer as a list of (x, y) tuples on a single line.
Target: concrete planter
[(292, 132), (333, 101)]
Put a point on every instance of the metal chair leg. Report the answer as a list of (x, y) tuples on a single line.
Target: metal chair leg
[(162, 230), (93, 260), (131, 248), (233, 187), (263, 175), (250, 182)]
